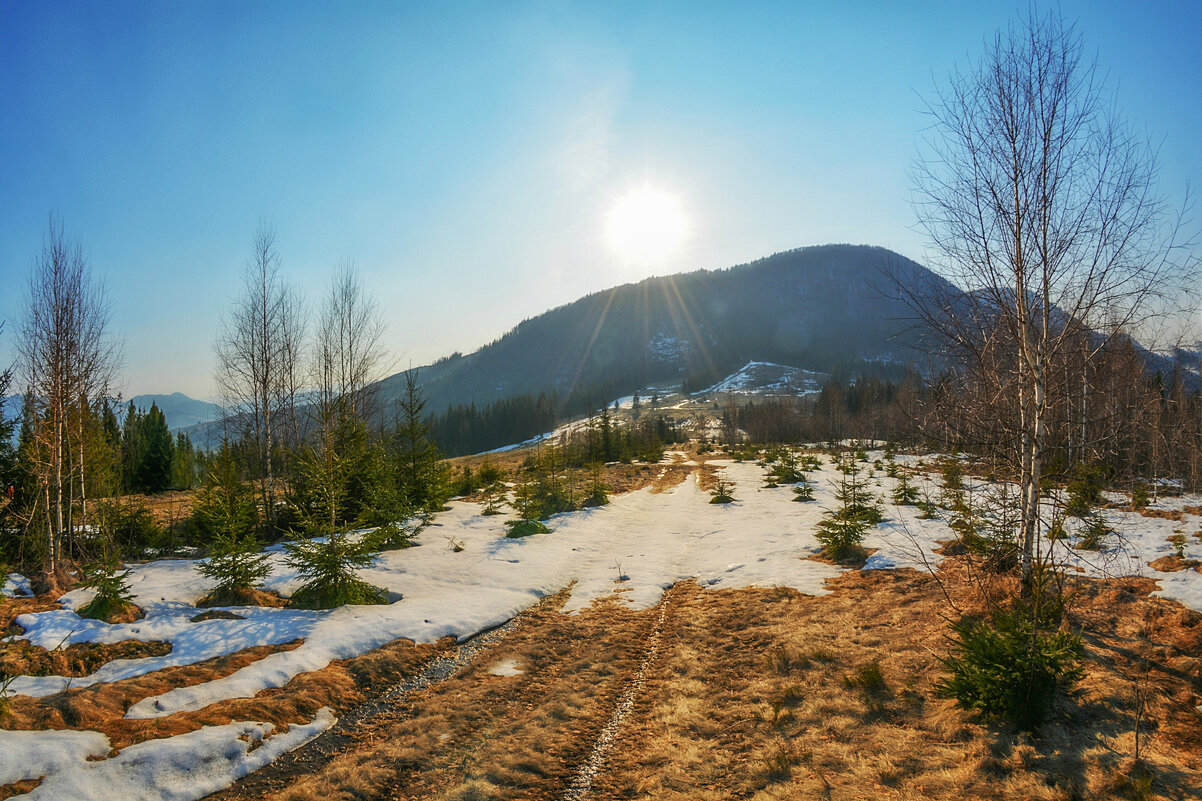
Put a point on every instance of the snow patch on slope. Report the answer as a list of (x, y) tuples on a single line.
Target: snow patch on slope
[(767, 378)]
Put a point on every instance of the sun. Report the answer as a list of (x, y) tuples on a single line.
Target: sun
[(646, 226)]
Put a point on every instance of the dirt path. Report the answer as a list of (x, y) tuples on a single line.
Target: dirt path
[(533, 708)]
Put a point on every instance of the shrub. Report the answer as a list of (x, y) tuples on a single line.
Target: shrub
[(329, 567), (841, 538), (495, 498), (1140, 496), (113, 597), (868, 678), (951, 494), (803, 492), (788, 469), (128, 525), (1011, 667), (1085, 489), (524, 528), (842, 530), (598, 494)]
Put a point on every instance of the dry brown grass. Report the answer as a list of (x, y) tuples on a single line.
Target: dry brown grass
[(342, 686), (770, 694), (19, 658), (1163, 514), (243, 596), (1173, 563)]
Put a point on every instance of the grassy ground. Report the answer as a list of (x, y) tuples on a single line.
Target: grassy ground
[(770, 694)]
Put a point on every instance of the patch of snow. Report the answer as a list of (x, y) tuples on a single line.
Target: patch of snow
[(16, 584), (667, 348), (766, 378), (182, 768), (34, 754)]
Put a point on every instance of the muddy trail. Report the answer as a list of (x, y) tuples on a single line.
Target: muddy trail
[(534, 706)]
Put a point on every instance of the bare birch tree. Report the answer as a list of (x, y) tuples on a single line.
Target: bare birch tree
[(346, 360), (1041, 203), (259, 358), (67, 361)]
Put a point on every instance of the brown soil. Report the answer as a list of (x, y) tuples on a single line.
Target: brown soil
[(1172, 563), (758, 694)]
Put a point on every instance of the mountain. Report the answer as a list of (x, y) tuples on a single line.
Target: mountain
[(826, 309), (180, 410)]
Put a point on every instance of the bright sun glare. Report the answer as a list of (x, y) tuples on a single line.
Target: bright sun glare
[(646, 226)]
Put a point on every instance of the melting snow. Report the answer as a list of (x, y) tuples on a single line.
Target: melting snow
[(641, 543)]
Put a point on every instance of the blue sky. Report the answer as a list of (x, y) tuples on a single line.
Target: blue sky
[(465, 155)]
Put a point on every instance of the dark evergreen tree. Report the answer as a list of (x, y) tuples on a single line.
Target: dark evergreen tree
[(154, 471), (132, 448), (183, 463), (421, 478)]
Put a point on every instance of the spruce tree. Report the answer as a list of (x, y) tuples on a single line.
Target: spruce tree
[(225, 512), (154, 470), (132, 448), (421, 477)]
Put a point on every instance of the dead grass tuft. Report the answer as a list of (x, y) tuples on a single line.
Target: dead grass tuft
[(242, 596), (19, 658)]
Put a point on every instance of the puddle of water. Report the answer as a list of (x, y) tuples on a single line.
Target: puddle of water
[(506, 667)]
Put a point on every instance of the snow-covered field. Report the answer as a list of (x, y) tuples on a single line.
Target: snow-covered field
[(631, 550)]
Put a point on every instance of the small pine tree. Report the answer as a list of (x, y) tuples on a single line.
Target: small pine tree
[(722, 492), (238, 567), (329, 567), (598, 494), (113, 597), (224, 506), (1011, 664), (951, 495), (422, 478), (225, 512), (904, 493), (841, 531)]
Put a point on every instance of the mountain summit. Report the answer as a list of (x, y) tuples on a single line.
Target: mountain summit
[(825, 308)]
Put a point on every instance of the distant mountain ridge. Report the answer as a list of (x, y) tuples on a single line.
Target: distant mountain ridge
[(179, 410), (825, 308)]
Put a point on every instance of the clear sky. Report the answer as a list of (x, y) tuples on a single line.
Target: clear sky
[(466, 156)]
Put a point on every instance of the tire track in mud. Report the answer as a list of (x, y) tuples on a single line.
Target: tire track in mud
[(621, 649), (312, 755), (582, 783)]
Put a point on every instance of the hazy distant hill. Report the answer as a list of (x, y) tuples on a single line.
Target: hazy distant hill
[(180, 410), (827, 308)]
